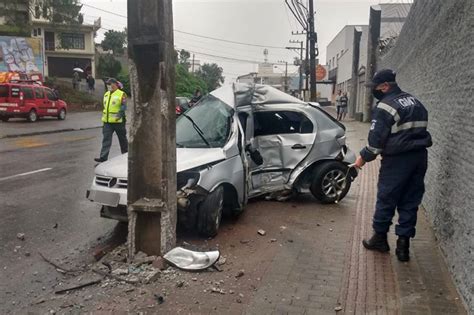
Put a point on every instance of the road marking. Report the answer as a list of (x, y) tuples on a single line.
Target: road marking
[(25, 174), (30, 143)]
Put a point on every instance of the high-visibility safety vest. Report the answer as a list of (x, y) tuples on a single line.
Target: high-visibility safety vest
[(112, 104)]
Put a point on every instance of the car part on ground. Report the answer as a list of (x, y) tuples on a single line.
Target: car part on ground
[(191, 260)]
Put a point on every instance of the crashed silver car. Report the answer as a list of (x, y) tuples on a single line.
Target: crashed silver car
[(239, 142)]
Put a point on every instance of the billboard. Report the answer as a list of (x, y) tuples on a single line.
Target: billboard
[(21, 54)]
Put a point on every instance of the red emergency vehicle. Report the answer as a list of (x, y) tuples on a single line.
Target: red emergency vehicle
[(29, 99)]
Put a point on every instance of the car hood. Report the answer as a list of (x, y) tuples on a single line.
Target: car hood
[(186, 158)]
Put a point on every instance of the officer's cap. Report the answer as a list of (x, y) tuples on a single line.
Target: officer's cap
[(382, 76), (112, 80)]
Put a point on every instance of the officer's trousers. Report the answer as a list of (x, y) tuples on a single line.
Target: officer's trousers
[(107, 132), (401, 186)]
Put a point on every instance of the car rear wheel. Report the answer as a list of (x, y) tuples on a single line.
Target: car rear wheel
[(32, 116), (330, 183), (210, 213), (62, 114)]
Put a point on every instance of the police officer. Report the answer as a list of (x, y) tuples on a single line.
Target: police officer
[(113, 117), (398, 133)]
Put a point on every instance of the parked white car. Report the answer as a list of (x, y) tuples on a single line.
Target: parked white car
[(239, 142)]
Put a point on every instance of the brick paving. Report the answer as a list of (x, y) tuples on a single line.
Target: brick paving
[(323, 268)]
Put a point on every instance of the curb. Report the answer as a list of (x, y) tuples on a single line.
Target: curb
[(47, 132)]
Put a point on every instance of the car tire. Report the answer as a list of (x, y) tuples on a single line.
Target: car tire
[(62, 114), (330, 184), (210, 213), (32, 116), (5, 119)]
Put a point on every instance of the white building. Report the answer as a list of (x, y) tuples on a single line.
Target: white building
[(340, 51), (339, 56)]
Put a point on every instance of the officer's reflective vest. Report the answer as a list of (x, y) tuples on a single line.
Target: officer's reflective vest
[(112, 105)]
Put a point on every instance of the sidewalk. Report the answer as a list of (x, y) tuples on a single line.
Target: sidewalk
[(327, 271), (73, 121)]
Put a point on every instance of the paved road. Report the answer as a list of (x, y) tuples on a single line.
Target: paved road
[(74, 121), (34, 204)]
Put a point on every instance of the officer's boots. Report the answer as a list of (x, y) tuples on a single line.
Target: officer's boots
[(403, 246), (377, 242)]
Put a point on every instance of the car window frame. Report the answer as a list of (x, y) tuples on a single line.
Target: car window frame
[(42, 91), (24, 88), (281, 111)]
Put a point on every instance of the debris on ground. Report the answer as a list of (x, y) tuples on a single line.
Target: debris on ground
[(244, 241), (20, 236), (338, 308), (240, 273), (217, 290), (160, 299), (262, 232), (222, 260), (159, 263), (191, 260), (273, 240)]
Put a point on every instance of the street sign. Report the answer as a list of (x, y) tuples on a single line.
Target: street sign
[(321, 73)]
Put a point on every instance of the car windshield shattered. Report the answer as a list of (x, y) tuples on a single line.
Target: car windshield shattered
[(206, 125)]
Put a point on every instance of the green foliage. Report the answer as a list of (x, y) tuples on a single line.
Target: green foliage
[(211, 73), (108, 66), (187, 83), (115, 41), (124, 78), (183, 57), (71, 96)]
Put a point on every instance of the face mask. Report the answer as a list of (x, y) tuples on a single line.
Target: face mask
[(378, 94), (109, 88)]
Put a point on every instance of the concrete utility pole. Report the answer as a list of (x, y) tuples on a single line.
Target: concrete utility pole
[(301, 49), (312, 51), (152, 154), (355, 71), (372, 45)]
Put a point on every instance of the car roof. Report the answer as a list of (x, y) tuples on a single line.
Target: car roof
[(243, 94)]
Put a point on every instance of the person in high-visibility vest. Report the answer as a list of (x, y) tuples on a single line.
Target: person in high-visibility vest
[(113, 117)]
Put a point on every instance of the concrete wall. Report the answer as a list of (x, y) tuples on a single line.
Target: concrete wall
[(434, 58)]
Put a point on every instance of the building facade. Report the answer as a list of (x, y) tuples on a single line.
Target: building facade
[(340, 53), (78, 38)]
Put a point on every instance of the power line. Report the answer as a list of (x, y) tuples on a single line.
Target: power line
[(196, 35)]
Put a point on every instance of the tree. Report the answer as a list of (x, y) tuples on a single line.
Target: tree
[(109, 66), (183, 57), (187, 83), (115, 41), (211, 73)]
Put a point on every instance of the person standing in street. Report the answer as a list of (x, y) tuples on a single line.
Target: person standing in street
[(399, 134), (196, 97), (90, 83), (113, 117), (75, 80), (338, 103), (343, 106)]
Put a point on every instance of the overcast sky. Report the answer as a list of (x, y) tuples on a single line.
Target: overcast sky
[(259, 22)]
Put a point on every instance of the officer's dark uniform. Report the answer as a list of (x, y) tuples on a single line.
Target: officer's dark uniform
[(398, 132)]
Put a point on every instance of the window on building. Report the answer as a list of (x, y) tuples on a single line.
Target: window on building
[(27, 93), (4, 91), (281, 122), (73, 40)]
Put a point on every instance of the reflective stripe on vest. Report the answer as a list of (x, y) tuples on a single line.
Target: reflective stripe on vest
[(112, 104), (409, 125)]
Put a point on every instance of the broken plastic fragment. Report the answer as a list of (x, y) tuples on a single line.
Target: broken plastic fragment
[(190, 260)]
